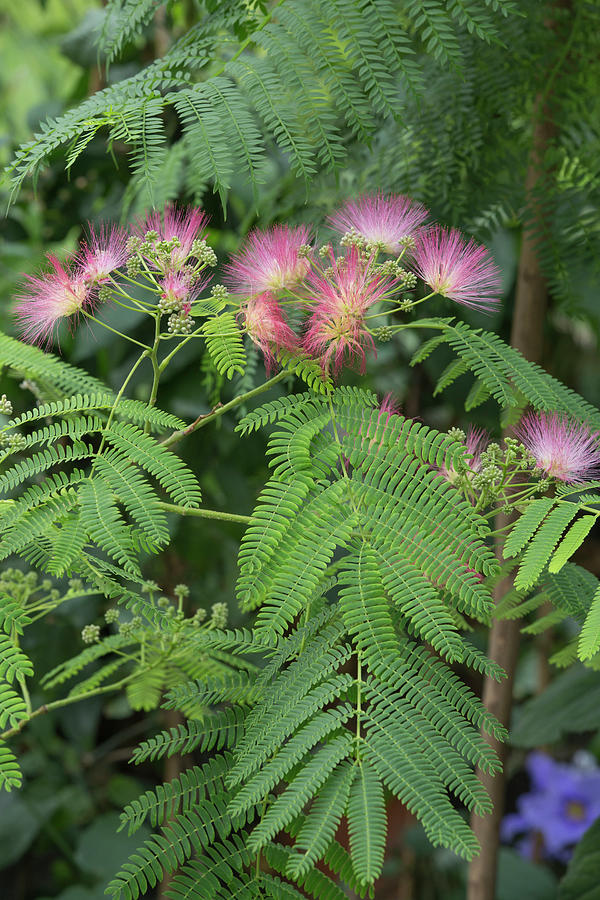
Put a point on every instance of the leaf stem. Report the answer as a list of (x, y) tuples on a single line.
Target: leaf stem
[(202, 513), (64, 701), (220, 410), (114, 330)]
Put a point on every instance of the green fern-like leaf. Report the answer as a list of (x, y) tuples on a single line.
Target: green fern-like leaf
[(10, 773), (225, 345), (367, 822)]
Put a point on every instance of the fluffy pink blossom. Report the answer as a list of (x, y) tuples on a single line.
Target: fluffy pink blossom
[(456, 268), (388, 408), (180, 289), (104, 252), (187, 225), (565, 450), (476, 442), (267, 327), (48, 298), (380, 219), (269, 261), (337, 327)]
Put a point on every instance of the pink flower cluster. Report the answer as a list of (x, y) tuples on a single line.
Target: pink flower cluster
[(278, 267), (277, 277), (76, 286)]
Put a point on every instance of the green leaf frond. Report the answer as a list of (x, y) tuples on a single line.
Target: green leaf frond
[(225, 344), (10, 772), (179, 795), (505, 374), (215, 731), (314, 72)]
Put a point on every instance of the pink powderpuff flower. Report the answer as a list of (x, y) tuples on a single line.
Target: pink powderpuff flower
[(565, 450), (180, 289), (388, 408), (187, 225), (105, 251), (456, 268), (384, 219), (476, 441), (269, 261), (337, 327), (49, 298), (267, 327)]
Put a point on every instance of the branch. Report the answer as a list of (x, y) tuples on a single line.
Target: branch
[(220, 410)]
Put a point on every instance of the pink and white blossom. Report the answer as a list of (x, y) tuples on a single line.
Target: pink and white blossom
[(48, 298), (269, 261), (476, 441), (380, 219), (180, 289), (266, 325), (187, 225), (337, 329), (562, 448), (456, 268), (105, 251)]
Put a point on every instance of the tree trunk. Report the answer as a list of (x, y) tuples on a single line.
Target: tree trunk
[(527, 335)]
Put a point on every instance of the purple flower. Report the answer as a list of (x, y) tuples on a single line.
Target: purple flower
[(456, 268), (563, 802), (564, 450)]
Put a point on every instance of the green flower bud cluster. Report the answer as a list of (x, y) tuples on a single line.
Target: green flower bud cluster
[(219, 615), (5, 406), (304, 251), (134, 266), (406, 304), (13, 442), (90, 634), (384, 334), (407, 241), (219, 292), (324, 250), (111, 615), (75, 584), (457, 434), (181, 591), (488, 478), (518, 454), (204, 253), (105, 293), (149, 587), (408, 280), (180, 323), (375, 247), (329, 272), (128, 629), (388, 268), (352, 239), (133, 245), (199, 617), (169, 304)]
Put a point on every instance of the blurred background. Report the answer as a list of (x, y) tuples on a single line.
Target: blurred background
[(464, 149)]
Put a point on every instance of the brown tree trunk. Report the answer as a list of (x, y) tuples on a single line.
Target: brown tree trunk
[(527, 335)]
